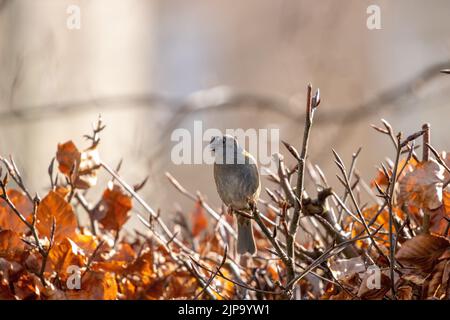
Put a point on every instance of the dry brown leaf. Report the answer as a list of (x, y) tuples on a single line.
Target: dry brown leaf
[(182, 285), (119, 262), (55, 206), (127, 289), (84, 164), (114, 208), (422, 187), (414, 278), (96, 286), (366, 292), (50, 292), (381, 178), (199, 220), (405, 293), (439, 284), (28, 287), (125, 253), (439, 218), (143, 268), (87, 242), (422, 251), (11, 246), (8, 219), (62, 191), (336, 293), (5, 291), (64, 255), (381, 220), (68, 156)]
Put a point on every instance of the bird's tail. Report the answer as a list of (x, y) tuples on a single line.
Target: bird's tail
[(245, 240)]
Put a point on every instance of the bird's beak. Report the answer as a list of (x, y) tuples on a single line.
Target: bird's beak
[(211, 145)]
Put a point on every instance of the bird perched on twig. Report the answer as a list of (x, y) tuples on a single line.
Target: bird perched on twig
[(237, 181)]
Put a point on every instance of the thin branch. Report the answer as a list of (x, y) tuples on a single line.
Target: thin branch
[(214, 274)]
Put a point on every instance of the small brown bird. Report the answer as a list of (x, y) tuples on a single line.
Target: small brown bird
[(237, 181)]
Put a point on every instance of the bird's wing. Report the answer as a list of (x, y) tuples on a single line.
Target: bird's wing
[(252, 177)]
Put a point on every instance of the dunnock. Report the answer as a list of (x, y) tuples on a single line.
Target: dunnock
[(237, 181)]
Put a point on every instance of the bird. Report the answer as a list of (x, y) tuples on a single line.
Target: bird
[(237, 181)]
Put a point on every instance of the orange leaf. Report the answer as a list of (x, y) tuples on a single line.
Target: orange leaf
[(199, 221), (125, 253), (422, 251), (54, 206), (127, 289), (84, 164), (119, 262), (5, 292), (28, 287), (96, 286), (423, 186), (68, 157), (405, 293), (143, 268), (87, 242), (11, 246), (114, 208), (381, 220), (439, 222), (381, 179), (8, 219), (64, 255)]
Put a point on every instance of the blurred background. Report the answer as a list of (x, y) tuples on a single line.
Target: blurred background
[(150, 67)]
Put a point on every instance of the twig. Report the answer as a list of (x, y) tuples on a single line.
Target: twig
[(341, 166), (243, 285), (390, 199), (328, 253), (16, 175), (224, 259), (91, 258), (205, 206), (311, 104), (84, 204), (144, 205)]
